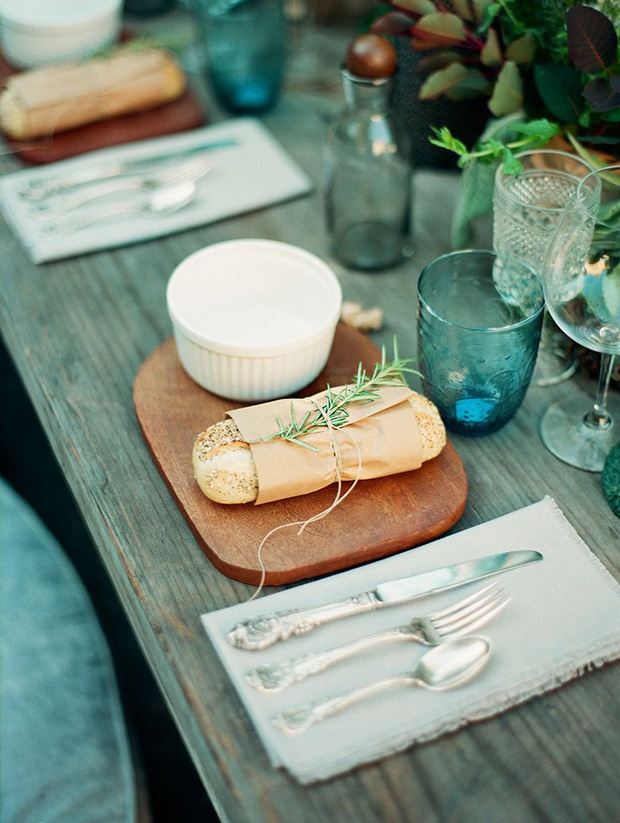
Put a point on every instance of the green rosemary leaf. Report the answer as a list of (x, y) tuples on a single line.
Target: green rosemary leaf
[(302, 443), (334, 411)]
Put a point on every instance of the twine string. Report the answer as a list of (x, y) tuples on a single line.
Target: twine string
[(336, 450)]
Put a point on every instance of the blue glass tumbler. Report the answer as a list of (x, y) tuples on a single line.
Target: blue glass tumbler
[(479, 321), (246, 49)]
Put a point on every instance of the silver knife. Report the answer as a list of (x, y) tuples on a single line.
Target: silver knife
[(45, 186), (257, 633)]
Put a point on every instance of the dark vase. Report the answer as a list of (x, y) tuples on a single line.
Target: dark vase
[(466, 119)]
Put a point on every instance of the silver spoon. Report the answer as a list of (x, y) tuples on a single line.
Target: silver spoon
[(447, 666), (190, 171), (160, 203)]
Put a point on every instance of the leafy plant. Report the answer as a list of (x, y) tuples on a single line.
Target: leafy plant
[(534, 134), (556, 60), (470, 53)]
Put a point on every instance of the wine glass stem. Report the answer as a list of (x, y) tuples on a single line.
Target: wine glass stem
[(598, 418)]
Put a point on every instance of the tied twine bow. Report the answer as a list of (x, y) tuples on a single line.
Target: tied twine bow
[(340, 496), (332, 414)]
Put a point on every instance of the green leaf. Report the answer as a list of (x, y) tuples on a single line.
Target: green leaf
[(612, 116), (542, 130), (464, 9), (560, 89), (445, 140), (454, 79), (418, 6), (486, 11), (522, 50), (473, 85), (438, 60), (440, 29), (511, 164), (491, 53), (507, 95)]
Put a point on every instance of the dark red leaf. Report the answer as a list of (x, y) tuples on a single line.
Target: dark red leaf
[(392, 23), (601, 95), (592, 39)]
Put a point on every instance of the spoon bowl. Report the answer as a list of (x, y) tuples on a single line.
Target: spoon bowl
[(160, 202), (447, 666), (453, 663)]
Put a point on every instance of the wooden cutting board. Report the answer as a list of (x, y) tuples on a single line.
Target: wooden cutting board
[(183, 114), (379, 518)]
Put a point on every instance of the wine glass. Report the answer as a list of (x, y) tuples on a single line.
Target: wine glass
[(527, 208), (582, 292)]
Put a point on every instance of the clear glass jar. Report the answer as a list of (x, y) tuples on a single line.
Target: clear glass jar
[(368, 192)]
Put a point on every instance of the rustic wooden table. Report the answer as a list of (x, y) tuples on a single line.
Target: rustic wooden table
[(78, 331)]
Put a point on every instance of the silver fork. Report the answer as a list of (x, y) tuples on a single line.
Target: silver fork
[(461, 618), (188, 171)]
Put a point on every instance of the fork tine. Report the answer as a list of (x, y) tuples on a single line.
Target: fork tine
[(475, 621), (472, 598), (189, 169), (471, 609)]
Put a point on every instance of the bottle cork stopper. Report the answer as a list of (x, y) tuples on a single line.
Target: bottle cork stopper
[(372, 56)]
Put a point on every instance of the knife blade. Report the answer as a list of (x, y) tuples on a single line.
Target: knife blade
[(259, 632), (46, 186), (446, 578)]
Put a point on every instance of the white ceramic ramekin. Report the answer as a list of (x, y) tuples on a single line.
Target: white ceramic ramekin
[(253, 319), (37, 33)]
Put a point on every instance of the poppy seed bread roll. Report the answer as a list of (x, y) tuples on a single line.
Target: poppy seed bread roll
[(224, 466)]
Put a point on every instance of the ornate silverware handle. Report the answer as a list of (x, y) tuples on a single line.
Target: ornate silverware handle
[(301, 718), (40, 188), (273, 677), (262, 631)]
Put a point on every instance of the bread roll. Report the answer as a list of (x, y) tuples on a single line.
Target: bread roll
[(56, 98), (224, 466)]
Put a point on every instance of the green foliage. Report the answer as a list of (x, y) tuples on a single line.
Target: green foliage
[(536, 133), (334, 411), (555, 59)]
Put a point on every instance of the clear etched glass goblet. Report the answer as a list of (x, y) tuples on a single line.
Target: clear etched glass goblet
[(527, 208), (582, 292)]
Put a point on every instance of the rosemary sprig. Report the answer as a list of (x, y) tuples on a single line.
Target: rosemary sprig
[(364, 387)]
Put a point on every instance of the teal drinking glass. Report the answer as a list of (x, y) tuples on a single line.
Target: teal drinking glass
[(479, 322), (246, 48)]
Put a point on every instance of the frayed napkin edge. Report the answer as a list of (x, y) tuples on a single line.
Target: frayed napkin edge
[(568, 669), (501, 703)]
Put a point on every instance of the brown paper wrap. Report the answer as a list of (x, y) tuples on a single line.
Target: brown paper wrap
[(57, 98), (385, 430)]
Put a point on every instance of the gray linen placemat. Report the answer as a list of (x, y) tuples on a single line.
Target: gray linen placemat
[(564, 620), (254, 173)]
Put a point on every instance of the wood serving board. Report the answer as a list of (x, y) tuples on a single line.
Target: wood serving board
[(183, 114), (380, 517)]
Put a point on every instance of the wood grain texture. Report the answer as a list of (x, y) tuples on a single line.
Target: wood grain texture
[(78, 332), (381, 517)]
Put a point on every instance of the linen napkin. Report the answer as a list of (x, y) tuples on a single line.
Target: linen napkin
[(564, 619), (254, 173)]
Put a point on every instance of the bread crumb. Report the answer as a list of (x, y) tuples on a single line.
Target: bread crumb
[(355, 315)]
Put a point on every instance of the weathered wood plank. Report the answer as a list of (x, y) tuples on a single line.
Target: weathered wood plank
[(78, 331)]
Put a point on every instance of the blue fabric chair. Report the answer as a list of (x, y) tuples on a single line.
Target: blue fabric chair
[(65, 751)]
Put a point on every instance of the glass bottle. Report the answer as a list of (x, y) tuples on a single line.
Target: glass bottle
[(368, 194)]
